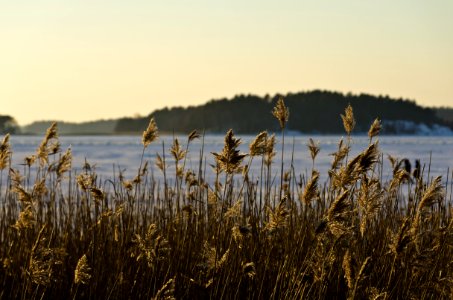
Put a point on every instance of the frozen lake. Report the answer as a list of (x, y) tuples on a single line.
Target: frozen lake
[(124, 152)]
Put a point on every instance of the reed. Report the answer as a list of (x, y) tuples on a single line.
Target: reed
[(72, 236)]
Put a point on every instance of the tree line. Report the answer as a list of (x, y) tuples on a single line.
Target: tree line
[(311, 112)]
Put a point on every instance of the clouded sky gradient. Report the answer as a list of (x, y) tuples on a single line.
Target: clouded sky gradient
[(87, 60)]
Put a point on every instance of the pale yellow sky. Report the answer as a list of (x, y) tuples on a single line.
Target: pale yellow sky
[(87, 60)]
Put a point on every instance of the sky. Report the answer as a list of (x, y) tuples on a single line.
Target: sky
[(95, 59)]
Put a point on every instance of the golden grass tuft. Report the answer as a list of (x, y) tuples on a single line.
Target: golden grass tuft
[(311, 191), (5, 152), (259, 145), (229, 160), (281, 112), (348, 120), (314, 148), (150, 134), (82, 271), (375, 128)]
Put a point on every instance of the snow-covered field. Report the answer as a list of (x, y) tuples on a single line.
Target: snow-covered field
[(107, 153)]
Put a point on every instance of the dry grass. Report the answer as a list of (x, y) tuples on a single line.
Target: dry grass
[(72, 236)]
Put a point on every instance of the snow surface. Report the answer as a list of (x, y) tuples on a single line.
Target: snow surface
[(112, 153), (420, 129)]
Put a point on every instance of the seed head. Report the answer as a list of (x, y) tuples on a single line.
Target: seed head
[(348, 119), (64, 164), (5, 152), (229, 160), (150, 134), (281, 112), (193, 135), (375, 128), (259, 144), (82, 272), (314, 148)]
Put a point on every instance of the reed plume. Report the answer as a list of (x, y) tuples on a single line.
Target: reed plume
[(401, 239), (211, 256), (314, 148), (270, 150), (160, 163), (346, 175), (150, 134), (311, 191), (85, 181), (153, 247), (281, 112), (278, 217), (229, 160), (369, 200), (339, 208), (39, 189), (82, 273), (44, 261), (337, 215), (234, 211), (166, 292), (97, 194), (368, 158), (431, 196), (5, 152), (348, 119), (26, 220), (340, 155), (348, 269), (259, 145), (194, 134), (399, 177), (23, 196), (44, 149), (176, 150), (375, 128), (360, 276), (249, 270), (64, 164), (30, 160)]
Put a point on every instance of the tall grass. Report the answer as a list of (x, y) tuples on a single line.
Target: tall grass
[(72, 236)]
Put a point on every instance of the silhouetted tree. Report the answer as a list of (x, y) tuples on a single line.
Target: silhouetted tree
[(8, 124)]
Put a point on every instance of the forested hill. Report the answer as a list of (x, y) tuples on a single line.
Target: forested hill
[(68, 128), (445, 113), (310, 112)]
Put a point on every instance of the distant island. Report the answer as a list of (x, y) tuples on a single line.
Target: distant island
[(313, 112)]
